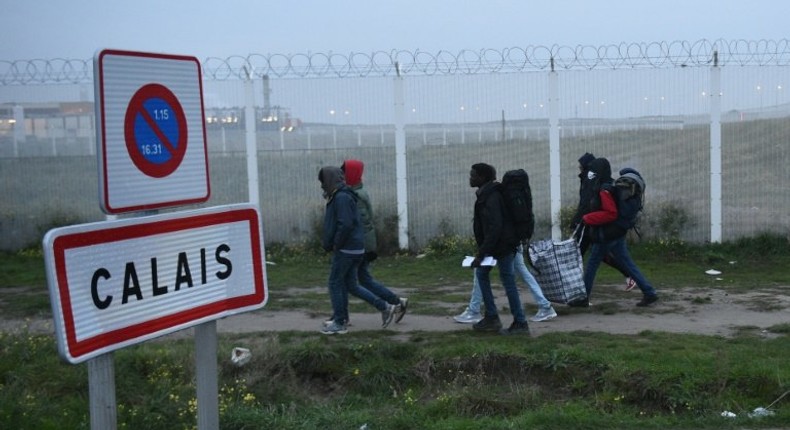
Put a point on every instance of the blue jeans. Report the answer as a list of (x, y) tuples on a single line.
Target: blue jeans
[(476, 301), (342, 279), (521, 267), (508, 278), (618, 249), (371, 290)]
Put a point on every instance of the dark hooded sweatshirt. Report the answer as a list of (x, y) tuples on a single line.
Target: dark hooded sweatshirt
[(353, 171), (586, 192), (343, 230), (603, 208)]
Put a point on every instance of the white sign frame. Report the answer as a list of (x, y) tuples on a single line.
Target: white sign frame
[(118, 283), (123, 80)]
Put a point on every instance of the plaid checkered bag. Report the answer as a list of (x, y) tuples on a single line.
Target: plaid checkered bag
[(559, 271)]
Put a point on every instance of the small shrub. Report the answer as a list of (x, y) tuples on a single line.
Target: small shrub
[(668, 220), (387, 235), (447, 242), (566, 216)]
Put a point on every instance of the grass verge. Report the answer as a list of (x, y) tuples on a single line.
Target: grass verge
[(455, 380)]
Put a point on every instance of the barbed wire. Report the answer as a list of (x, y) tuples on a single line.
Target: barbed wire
[(424, 63)]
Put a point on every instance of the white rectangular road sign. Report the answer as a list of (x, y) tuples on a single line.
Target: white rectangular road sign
[(150, 134), (117, 283)]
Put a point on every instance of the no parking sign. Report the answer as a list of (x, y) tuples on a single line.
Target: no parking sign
[(151, 139)]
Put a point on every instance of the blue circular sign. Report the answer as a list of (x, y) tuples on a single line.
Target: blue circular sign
[(155, 130)]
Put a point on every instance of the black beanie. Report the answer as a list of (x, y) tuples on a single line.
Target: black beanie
[(486, 171), (586, 159)]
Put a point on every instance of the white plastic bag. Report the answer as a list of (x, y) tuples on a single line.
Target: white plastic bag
[(240, 356)]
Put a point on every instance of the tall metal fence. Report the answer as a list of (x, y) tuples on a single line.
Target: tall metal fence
[(671, 110)]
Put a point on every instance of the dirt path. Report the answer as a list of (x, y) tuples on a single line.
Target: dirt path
[(715, 313), (705, 312)]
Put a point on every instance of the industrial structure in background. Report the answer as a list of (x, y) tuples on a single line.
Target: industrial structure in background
[(272, 118)]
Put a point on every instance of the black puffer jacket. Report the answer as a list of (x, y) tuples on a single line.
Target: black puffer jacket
[(494, 231), (586, 191)]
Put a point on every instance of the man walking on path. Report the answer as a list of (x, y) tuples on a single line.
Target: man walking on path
[(344, 236), (370, 290), (495, 236)]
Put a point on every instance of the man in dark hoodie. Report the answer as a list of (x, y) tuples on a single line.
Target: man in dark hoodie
[(495, 236), (606, 240), (586, 196), (344, 236), (370, 290)]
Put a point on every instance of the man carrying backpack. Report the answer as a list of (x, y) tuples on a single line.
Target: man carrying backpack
[(517, 195), (608, 235), (586, 196), (495, 236)]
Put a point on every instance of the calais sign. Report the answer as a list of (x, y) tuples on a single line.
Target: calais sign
[(117, 283)]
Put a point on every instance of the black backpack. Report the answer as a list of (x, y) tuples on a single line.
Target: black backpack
[(629, 193), (518, 201)]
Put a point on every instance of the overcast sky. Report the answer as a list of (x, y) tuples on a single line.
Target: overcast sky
[(45, 29)]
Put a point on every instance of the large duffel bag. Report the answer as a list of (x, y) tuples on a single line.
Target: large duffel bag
[(558, 269)]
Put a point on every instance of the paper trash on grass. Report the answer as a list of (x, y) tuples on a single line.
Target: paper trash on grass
[(488, 261), (761, 412), (713, 272), (240, 356), (728, 414)]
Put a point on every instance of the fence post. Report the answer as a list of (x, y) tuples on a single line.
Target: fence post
[(715, 150), (251, 139), (400, 162), (554, 154)]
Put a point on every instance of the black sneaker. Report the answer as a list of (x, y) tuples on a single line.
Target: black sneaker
[(516, 328), (581, 303), (401, 309), (647, 301), (488, 324), (387, 314)]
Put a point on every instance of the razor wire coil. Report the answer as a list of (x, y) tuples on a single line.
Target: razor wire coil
[(424, 63)]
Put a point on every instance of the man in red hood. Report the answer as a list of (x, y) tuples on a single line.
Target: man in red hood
[(370, 290), (603, 214)]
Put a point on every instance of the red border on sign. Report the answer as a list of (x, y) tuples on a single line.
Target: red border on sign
[(64, 243), (177, 151), (99, 74)]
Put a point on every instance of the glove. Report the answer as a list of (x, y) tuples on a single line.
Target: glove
[(371, 256)]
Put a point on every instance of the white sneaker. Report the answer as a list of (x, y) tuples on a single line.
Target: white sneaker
[(629, 283), (544, 315), (468, 317), (334, 328)]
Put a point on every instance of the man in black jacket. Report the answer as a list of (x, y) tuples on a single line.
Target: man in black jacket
[(495, 236), (587, 196)]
